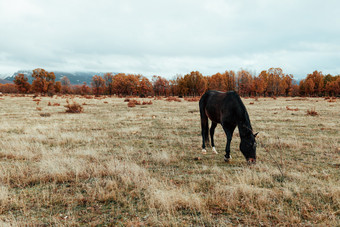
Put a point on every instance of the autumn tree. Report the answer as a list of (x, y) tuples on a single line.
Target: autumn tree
[(245, 80), (160, 86), (328, 79), (98, 85), (145, 87), (195, 83), (295, 90), (85, 90), (109, 77), (57, 87), (317, 79), (65, 85), (333, 86), (8, 88), (230, 78), (215, 82), (264, 79), (302, 91), (309, 86), (21, 81), (126, 84), (43, 81), (286, 84), (273, 82), (120, 85), (258, 85)]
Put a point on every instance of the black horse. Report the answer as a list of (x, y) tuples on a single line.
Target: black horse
[(227, 109)]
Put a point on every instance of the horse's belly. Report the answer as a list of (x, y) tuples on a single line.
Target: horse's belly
[(214, 116)]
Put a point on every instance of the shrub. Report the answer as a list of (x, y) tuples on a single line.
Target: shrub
[(147, 103), (45, 114), (74, 107), (312, 112), (194, 99), (170, 99), (133, 103), (158, 98), (292, 109)]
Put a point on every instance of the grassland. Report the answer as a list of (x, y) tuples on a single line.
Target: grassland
[(114, 165)]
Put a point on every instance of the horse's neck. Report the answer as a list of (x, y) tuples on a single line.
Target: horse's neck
[(244, 128)]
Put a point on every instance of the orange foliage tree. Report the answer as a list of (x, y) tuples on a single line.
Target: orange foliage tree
[(193, 84), (286, 84), (57, 87), (126, 84), (161, 86), (317, 79), (108, 77), (258, 86), (333, 86), (65, 85), (245, 81), (98, 85), (217, 82), (8, 88), (21, 81), (43, 81), (145, 87), (222, 81), (85, 90)]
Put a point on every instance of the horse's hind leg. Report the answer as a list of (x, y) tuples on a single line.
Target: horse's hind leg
[(205, 131), (212, 132)]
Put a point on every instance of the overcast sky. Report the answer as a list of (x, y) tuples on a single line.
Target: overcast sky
[(154, 37)]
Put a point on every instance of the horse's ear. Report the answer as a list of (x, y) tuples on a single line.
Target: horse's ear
[(256, 134)]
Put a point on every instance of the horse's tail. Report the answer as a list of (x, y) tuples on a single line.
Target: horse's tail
[(204, 121)]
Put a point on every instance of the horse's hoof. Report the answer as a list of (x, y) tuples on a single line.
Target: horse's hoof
[(214, 150), (226, 159), (204, 151)]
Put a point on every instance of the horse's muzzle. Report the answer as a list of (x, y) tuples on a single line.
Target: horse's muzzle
[(251, 161)]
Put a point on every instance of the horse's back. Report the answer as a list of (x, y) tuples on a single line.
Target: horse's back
[(217, 105)]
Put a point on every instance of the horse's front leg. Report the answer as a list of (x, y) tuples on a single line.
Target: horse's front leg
[(229, 133)]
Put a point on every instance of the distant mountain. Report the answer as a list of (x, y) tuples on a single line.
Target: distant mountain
[(5, 81), (4, 75), (74, 77)]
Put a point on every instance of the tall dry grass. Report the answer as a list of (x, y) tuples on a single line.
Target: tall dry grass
[(115, 165)]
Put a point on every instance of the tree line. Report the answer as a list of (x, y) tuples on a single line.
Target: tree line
[(271, 82)]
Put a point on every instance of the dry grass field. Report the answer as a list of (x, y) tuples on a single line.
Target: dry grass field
[(115, 165)]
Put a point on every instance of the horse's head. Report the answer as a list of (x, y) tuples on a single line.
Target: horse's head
[(248, 147)]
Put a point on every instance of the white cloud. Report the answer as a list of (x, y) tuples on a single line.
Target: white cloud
[(170, 37)]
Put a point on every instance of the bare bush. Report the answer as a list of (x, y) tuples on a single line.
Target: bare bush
[(133, 103), (194, 99), (74, 107), (292, 109), (312, 112), (170, 99), (45, 114), (147, 103)]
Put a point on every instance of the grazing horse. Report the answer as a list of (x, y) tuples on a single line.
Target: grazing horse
[(227, 109)]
